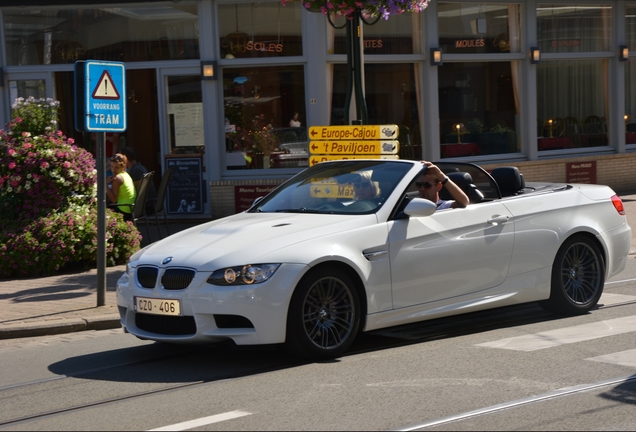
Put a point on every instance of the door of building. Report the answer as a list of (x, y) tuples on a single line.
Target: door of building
[(181, 110)]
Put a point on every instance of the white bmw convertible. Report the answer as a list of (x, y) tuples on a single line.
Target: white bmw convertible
[(315, 262)]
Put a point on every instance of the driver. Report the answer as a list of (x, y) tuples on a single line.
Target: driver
[(366, 189), (432, 181)]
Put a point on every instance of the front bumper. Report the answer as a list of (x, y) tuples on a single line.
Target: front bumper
[(264, 305)]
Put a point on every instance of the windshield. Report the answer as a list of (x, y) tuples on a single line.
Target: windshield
[(344, 187)]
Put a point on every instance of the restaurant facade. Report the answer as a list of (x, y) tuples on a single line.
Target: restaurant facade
[(224, 91)]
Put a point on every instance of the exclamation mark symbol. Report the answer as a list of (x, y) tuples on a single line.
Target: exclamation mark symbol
[(105, 86)]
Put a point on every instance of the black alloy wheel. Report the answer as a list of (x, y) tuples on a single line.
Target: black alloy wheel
[(578, 277), (324, 315)]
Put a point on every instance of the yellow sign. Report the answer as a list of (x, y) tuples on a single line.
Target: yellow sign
[(355, 132), (354, 147), (331, 190), (313, 160)]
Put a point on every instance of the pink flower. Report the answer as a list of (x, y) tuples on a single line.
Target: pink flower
[(11, 165), (44, 165)]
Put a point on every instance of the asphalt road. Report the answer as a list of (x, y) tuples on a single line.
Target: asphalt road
[(515, 368)]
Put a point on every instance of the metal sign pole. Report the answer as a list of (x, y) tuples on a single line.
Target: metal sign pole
[(101, 219), (100, 107)]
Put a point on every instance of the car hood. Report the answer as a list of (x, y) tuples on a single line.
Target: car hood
[(247, 238)]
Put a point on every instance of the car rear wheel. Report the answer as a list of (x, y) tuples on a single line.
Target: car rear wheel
[(578, 277), (324, 315)]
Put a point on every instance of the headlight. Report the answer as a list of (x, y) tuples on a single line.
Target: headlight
[(243, 275)]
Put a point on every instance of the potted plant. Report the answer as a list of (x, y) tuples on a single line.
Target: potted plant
[(499, 139), (265, 142)]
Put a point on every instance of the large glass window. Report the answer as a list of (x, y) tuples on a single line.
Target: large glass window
[(131, 33), (478, 108), (27, 88), (399, 35), (574, 28), (265, 124), (260, 29), (630, 76), (572, 103), (469, 28), (391, 97), (185, 114)]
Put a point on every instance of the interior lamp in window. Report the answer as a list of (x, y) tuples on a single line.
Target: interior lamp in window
[(459, 129), (549, 123)]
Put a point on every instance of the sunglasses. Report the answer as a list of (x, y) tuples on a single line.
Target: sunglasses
[(425, 185), (117, 159)]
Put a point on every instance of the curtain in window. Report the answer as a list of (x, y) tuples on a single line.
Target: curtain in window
[(416, 33), (514, 29)]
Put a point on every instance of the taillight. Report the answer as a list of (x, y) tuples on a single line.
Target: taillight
[(618, 205)]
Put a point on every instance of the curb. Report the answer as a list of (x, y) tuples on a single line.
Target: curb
[(71, 325)]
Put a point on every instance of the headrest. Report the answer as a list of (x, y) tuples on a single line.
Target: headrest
[(509, 179), (465, 181), (460, 178), (349, 178)]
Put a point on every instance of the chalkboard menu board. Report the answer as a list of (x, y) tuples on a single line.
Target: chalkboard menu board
[(185, 190)]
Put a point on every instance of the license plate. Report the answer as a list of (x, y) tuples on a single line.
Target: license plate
[(157, 306)]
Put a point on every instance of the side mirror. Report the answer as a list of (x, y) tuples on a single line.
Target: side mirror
[(419, 207)]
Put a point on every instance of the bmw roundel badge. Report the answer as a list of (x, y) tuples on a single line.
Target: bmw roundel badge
[(167, 260)]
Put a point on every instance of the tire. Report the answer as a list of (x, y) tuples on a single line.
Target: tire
[(324, 315), (578, 277)]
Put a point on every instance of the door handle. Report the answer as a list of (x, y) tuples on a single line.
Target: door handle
[(497, 219)]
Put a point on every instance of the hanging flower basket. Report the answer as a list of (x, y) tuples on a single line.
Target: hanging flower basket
[(369, 8)]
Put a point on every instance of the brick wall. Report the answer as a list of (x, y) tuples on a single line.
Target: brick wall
[(616, 171)]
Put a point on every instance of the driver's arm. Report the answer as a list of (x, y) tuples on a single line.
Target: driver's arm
[(461, 199)]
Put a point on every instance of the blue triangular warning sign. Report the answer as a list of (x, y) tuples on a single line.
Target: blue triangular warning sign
[(105, 88)]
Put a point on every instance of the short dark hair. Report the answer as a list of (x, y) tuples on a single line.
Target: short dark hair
[(129, 152)]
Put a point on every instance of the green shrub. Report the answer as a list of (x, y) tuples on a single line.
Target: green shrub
[(48, 215), (63, 241)]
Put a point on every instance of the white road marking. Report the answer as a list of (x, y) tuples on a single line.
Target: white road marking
[(620, 281), (608, 299), (519, 402), (203, 421), (567, 335), (623, 358)]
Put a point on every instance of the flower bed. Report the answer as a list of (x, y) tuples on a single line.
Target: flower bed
[(48, 215)]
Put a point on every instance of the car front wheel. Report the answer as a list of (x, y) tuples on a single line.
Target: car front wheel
[(578, 277), (324, 315)]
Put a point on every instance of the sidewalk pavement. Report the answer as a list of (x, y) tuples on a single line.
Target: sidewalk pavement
[(68, 303)]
